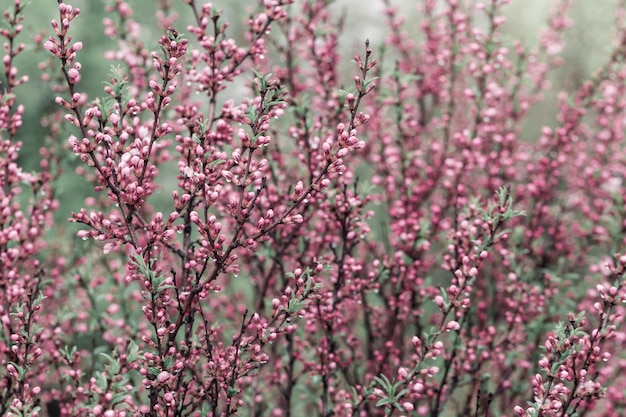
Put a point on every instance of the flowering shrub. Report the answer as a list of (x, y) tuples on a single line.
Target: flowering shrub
[(385, 246)]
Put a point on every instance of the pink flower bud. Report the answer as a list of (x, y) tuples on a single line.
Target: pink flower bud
[(452, 326), (163, 376), (439, 301)]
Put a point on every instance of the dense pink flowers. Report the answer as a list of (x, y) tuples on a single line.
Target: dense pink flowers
[(269, 235)]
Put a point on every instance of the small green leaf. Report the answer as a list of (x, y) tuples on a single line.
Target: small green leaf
[(384, 401)]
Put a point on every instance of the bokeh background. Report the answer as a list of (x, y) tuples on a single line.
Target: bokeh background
[(588, 43)]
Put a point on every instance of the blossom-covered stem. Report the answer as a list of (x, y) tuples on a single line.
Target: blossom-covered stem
[(67, 57), (598, 336), (251, 246), (14, 20)]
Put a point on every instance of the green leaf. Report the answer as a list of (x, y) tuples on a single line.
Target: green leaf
[(112, 364), (68, 353), (133, 352), (21, 371), (216, 162), (385, 401), (431, 335), (101, 381), (384, 382), (296, 305), (446, 298)]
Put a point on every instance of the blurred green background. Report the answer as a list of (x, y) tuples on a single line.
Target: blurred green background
[(588, 44)]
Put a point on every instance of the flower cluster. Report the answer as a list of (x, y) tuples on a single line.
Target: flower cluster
[(268, 235)]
